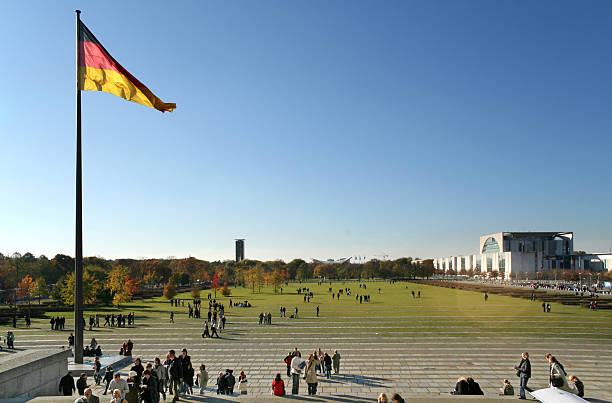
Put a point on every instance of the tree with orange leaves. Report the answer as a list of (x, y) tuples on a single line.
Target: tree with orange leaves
[(25, 286)]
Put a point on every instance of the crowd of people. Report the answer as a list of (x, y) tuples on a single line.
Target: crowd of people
[(148, 382), (113, 320), (317, 362), (58, 322)]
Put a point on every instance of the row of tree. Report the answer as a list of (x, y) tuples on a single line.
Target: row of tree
[(117, 280)]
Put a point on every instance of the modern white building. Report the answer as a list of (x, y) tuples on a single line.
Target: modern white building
[(525, 253)]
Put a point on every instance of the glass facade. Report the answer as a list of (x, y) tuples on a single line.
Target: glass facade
[(490, 246)]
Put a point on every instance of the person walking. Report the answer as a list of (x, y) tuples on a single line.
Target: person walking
[(175, 374), (188, 374), (311, 373), (162, 376), (296, 370), (119, 384), (149, 388), (97, 367), (213, 331), (108, 377), (327, 363), (202, 378), (66, 385), (336, 362), (523, 370)]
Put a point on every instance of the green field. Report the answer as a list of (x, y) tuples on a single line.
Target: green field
[(438, 309)]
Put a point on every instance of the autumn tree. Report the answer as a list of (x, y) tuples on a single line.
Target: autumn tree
[(121, 285), (40, 290), (215, 283), (195, 293), (91, 289), (276, 278), (25, 286), (169, 289)]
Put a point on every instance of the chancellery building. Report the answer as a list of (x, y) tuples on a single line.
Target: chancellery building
[(524, 254)]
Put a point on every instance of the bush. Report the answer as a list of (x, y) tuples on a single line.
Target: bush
[(225, 291)]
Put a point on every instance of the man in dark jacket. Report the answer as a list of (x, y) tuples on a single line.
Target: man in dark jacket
[(175, 374), (108, 376), (81, 384), (230, 381), (524, 372), (66, 385), (149, 388)]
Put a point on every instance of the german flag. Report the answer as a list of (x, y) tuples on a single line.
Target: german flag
[(99, 71)]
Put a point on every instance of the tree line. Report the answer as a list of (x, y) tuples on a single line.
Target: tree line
[(116, 281)]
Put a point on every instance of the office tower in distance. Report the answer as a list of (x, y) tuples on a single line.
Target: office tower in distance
[(239, 249)]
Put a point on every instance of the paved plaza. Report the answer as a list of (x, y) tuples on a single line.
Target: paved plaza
[(413, 347)]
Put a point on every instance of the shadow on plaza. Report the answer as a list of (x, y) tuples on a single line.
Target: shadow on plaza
[(222, 398), (11, 350), (371, 381)]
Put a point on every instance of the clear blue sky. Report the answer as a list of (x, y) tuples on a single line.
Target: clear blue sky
[(312, 129)]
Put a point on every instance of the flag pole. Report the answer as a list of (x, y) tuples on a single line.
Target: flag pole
[(78, 262)]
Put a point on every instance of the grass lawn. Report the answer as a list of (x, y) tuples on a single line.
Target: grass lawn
[(438, 311)]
